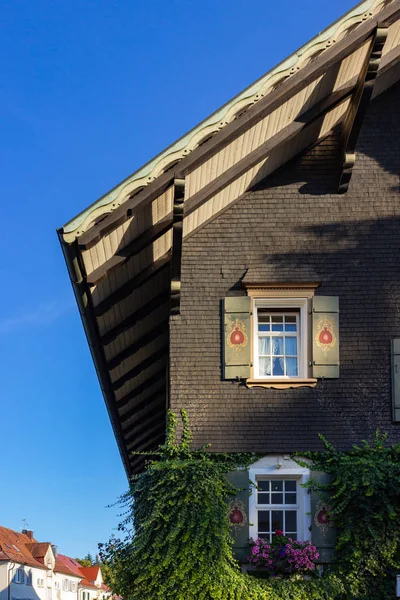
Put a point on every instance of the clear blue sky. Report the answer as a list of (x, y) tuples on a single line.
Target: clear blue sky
[(90, 90)]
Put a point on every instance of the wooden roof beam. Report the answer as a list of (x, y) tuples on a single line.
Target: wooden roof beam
[(139, 314), (147, 439), (155, 402), (117, 217), (141, 411), (137, 345), (130, 286), (279, 139), (155, 416), (137, 245), (177, 238), (158, 377), (140, 367), (359, 104)]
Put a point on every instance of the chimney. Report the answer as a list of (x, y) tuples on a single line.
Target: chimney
[(55, 550), (28, 532)]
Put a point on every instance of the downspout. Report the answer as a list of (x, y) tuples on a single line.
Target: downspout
[(9, 570)]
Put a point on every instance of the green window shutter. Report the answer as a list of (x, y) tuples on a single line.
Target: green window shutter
[(239, 514), (325, 337), (237, 337), (395, 351), (323, 531)]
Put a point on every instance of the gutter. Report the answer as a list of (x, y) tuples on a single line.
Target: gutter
[(85, 305)]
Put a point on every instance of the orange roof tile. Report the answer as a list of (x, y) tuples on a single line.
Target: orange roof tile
[(15, 546), (87, 583), (91, 573)]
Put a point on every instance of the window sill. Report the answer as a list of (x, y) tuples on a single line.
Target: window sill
[(281, 384)]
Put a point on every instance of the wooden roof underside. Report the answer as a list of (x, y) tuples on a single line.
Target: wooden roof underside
[(124, 260)]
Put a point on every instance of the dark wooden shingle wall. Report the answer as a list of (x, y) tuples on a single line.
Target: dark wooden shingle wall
[(295, 227)]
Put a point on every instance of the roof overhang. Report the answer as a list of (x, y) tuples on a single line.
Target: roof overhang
[(123, 252)]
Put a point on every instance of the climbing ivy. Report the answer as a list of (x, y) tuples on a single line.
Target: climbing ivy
[(364, 498), (175, 538)]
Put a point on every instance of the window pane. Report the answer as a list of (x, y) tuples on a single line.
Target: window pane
[(263, 485), (276, 486), (290, 498), (290, 327), (277, 519), (291, 346), (291, 367), (265, 366), (263, 327), (264, 345), (290, 319), (277, 366), (291, 521), (263, 520), (277, 498), (277, 345), (290, 485), (263, 498), (277, 323)]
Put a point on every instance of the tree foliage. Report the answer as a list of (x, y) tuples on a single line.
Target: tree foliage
[(176, 541)]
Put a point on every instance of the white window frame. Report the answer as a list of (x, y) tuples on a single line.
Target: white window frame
[(302, 335), (40, 582), (56, 585), (279, 467), (29, 577), (65, 585)]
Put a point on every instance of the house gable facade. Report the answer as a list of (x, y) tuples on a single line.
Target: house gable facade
[(249, 274)]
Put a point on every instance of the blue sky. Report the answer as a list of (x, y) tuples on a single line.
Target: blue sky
[(90, 90)]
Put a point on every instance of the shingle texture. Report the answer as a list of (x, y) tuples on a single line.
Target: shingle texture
[(295, 227)]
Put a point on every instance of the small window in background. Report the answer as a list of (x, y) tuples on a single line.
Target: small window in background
[(19, 576)]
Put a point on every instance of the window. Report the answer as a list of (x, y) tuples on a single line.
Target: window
[(277, 507), (19, 576), (29, 577), (65, 585), (40, 582), (278, 500), (280, 338), (278, 343), (72, 586), (56, 585)]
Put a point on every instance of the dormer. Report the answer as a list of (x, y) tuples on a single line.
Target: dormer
[(43, 553)]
